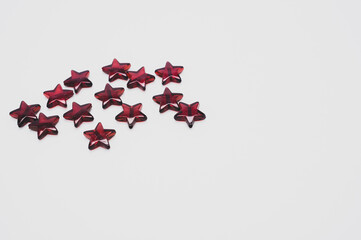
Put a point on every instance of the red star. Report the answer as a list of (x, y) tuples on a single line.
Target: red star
[(170, 73), (45, 125), (168, 100), (25, 113), (139, 79), (110, 96), (78, 80), (189, 113), (99, 137), (58, 96), (117, 70), (131, 114), (79, 114)]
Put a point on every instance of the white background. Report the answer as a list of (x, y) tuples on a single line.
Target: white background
[(278, 156)]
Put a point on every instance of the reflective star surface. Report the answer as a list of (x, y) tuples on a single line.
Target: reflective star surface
[(168, 100), (116, 70), (110, 96), (58, 96), (25, 113), (78, 80), (139, 79), (99, 137), (79, 114), (189, 113), (131, 114), (170, 73), (45, 125)]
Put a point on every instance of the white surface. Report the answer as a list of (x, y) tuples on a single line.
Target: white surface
[(278, 156)]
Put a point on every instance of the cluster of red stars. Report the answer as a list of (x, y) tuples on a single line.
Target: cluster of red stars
[(131, 114)]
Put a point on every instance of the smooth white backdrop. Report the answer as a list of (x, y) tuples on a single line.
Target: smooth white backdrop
[(278, 156)]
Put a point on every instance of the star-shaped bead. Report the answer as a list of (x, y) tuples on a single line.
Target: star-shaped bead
[(170, 73), (110, 96), (25, 113), (189, 113), (78, 80), (58, 96), (139, 79), (168, 100), (117, 70), (99, 137), (79, 114), (45, 125), (131, 114)]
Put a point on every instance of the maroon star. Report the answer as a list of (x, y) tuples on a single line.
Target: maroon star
[(99, 137), (79, 114), (131, 114), (139, 79), (78, 80), (168, 100), (45, 125), (117, 70), (58, 96), (189, 113), (110, 96), (25, 113), (170, 73)]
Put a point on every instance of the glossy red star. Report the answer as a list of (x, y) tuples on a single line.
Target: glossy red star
[(78, 80), (117, 70), (170, 73), (110, 96), (25, 113), (79, 114), (99, 137), (58, 96), (139, 79), (45, 125), (189, 113), (131, 114), (168, 100)]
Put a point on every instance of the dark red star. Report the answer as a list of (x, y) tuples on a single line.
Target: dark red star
[(131, 114), (139, 79), (117, 70), (45, 125), (110, 96), (58, 96), (78, 80), (189, 113), (79, 114), (25, 113), (168, 100), (99, 137), (170, 73)]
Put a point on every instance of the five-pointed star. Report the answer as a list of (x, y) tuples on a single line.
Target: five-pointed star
[(99, 137), (25, 113), (168, 100), (58, 96), (45, 125), (78, 80), (79, 114), (110, 96), (170, 73), (117, 70), (131, 114), (189, 113), (139, 79)]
